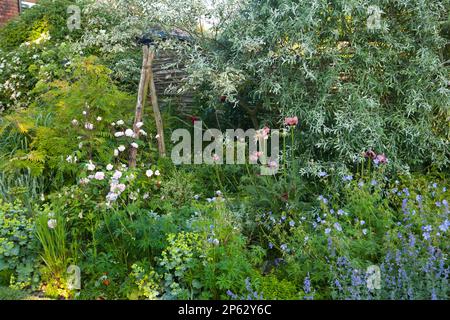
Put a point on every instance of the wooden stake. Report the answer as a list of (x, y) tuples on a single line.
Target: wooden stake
[(142, 94), (156, 111)]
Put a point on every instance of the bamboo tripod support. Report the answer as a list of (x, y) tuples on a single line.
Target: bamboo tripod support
[(146, 83)]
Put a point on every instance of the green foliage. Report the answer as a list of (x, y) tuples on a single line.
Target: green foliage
[(51, 233), (17, 246), (353, 88), (50, 16)]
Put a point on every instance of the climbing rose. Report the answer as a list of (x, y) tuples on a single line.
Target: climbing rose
[(129, 133), (90, 166), (117, 175), (99, 175), (118, 134)]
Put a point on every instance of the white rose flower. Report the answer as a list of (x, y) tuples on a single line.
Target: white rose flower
[(143, 132), (149, 173), (89, 126), (118, 134), (121, 148), (116, 152), (84, 113), (139, 124), (157, 173), (75, 122), (99, 175), (99, 118), (117, 174), (120, 122), (90, 166), (109, 167), (134, 145), (129, 133)]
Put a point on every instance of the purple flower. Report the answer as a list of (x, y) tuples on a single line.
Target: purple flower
[(444, 226), (284, 247), (323, 199), (337, 226), (322, 174), (374, 182), (347, 178), (327, 230), (270, 245), (291, 223), (231, 294)]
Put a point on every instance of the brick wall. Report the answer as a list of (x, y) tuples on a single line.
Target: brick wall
[(9, 9)]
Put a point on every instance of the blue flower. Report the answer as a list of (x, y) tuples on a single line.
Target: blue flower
[(347, 178), (374, 182), (291, 223), (364, 231), (362, 222), (322, 174), (337, 226), (231, 294), (323, 199), (327, 230), (284, 247), (444, 226), (270, 245)]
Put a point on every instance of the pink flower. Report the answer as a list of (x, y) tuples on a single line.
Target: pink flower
[(117, 187), (99, 175), (216, 157), (262, 133), (382, 158), (253, 157), (291, 121), (272, 164), (370, 154)]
